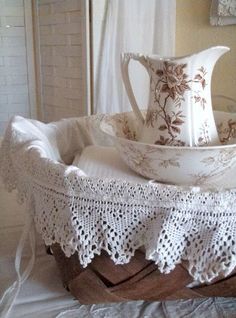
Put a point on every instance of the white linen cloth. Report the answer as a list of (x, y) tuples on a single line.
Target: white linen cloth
[(43, 296), (30, 159), (131, 26), (104, 163), (172, 223)]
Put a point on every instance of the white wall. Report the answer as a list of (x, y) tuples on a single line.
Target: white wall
[(194, 33), (14, 89), (62, 48), (98, 12)]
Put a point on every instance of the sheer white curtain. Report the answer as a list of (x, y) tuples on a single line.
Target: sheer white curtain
[(131, 26)]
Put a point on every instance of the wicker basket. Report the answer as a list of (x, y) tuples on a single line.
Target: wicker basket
[(103, 281)]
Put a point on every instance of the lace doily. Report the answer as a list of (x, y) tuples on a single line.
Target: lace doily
[(89, 215)]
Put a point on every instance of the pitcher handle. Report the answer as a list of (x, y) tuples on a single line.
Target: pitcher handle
[(125, 59)]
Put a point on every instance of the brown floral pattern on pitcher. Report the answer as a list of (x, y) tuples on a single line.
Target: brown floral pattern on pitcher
[(200, 78), (199, 99), (174, 79), (174, 82), (203, 140)]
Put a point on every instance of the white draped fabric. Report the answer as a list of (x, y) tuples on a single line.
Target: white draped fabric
[(87, 213), (131, 26)]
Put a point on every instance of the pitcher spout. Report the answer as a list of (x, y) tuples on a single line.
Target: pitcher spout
[(179, 111), (220, 49), (211, 55)]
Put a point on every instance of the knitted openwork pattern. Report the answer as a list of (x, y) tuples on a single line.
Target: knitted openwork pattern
[(89, 215)]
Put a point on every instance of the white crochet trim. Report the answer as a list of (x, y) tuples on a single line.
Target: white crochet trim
[(89, 215)]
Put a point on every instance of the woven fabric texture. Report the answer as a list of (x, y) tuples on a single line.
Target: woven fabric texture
[(89, 215)]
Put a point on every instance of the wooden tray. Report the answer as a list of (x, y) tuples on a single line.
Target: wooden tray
[(103, 281)]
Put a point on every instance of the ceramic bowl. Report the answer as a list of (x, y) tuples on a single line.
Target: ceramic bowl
[(169, 164)]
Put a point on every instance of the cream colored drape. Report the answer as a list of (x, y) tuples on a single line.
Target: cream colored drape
[(131, 26)]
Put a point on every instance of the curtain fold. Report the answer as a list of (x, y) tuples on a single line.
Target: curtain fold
[(131, 26)]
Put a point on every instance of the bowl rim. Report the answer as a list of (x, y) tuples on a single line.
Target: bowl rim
[(193, 148)]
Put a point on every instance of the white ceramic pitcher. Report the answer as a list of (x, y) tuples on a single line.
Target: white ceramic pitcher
[(180, 109)]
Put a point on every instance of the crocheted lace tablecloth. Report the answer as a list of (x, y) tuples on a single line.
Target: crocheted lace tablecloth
[(88, 215)]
